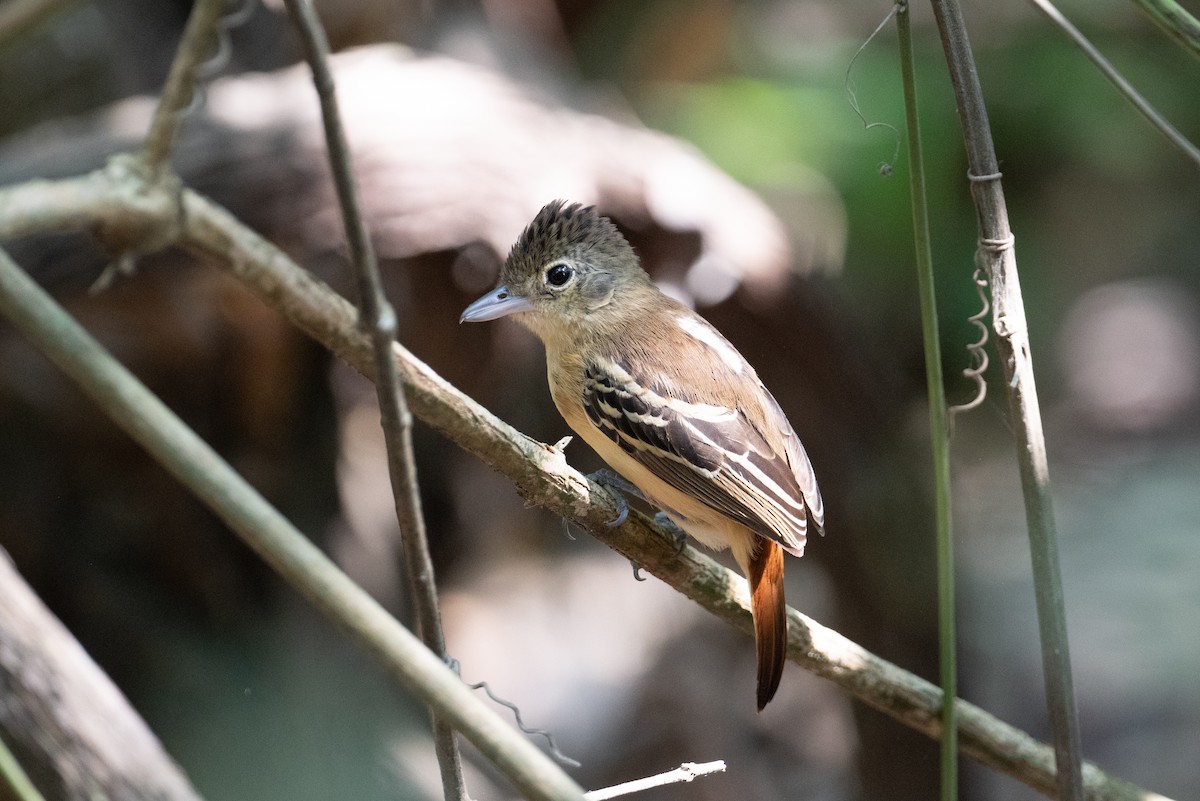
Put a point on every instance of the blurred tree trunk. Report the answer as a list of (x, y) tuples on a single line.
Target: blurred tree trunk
[(68, 725)]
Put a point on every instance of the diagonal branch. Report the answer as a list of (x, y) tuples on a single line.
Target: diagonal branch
[(378, 319), (1118, 80), (539, 472), (194, 463)]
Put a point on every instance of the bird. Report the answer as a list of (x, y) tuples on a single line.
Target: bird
[(667, 402)]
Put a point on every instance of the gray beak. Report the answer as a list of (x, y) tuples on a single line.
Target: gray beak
[(494, 305)]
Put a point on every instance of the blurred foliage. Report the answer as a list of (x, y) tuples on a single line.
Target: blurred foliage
[(759, 108)]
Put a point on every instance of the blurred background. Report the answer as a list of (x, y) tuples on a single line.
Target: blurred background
[(720, 137)]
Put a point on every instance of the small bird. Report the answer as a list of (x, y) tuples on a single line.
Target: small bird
[(666, 401)]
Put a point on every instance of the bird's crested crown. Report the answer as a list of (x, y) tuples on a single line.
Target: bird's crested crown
[(571, 231)]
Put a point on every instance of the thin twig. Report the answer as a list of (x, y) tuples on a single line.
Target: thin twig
[(686, 772), (1118, 80), (180, 87), (1012, 342), (1176, 20), (145, 418), (378, 319), (939, 428), (539, 472)]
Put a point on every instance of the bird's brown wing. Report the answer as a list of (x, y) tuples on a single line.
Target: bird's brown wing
[(710, 452), (797, 457)]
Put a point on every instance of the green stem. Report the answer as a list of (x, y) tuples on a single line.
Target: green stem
[(1176, 21), (1013, 347), (1118, 80), (938, 423), (14, 779)]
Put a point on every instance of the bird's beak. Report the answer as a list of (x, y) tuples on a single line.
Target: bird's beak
[(494, 305)]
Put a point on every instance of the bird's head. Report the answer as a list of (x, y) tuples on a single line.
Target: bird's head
[(563, 273)]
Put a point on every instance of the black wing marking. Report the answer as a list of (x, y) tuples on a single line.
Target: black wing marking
[(712, 453)]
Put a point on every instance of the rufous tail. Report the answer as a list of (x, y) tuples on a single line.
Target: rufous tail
[(770, 617)]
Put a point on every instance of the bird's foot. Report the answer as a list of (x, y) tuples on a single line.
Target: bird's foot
[(672, 528), (619, 488), (678, 534)]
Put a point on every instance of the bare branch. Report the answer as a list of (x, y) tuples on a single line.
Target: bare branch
[(180, 87), (377, 318)]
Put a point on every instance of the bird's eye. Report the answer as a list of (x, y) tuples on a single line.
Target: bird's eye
[(559, 274)]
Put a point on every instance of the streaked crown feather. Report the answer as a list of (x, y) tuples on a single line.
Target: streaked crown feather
[(573, 231)]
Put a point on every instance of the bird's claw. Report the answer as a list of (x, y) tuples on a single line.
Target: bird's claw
[(664, 520), (618, 487), (637, 571), (622, 511)]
